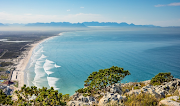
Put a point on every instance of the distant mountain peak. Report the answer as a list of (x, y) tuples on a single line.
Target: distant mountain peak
[(84, 24), (57, 24)]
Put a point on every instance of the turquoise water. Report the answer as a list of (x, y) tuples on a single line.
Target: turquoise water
[(65, 61)]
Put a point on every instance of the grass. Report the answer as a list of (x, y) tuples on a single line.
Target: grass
[(129, 87), (99, 97), (2, 69), (16, 84), (143, 99), (4, 76)]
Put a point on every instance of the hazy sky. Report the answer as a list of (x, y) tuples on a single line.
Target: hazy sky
[(145, 12)]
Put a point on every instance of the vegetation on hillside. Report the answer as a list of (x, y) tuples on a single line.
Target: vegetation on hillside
[(160, 78), (143, 99), (4, 99), (3, 64), (14, 49), (4, 77), (96, 81), (28, 96), (103, 78), (2, 69)]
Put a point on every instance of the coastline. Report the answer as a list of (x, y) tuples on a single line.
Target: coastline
[(21, 66)]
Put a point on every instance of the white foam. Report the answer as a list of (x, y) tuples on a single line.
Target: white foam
[(52, 82), (48, 65), (3, 39), (60, 34), (39, 73), (56, 66), (42, 57), (36, 56), (17, 41)]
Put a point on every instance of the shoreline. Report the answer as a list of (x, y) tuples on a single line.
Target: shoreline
[(19, 73)]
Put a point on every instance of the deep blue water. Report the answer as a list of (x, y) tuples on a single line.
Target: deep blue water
[(65, 61)]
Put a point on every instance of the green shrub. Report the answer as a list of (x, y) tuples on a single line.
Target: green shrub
[(4, 99), (105, 77), (84, 90), (3, 64), (86, 94), (16, 84), (3, 76), (160, 78), (137, 87), (2, 69)]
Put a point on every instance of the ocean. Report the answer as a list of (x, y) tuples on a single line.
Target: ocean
[(64, 62)]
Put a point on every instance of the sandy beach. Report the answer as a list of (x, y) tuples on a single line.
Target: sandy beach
[(18, 74)]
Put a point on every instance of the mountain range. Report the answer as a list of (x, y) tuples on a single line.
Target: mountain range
[(84, 24)]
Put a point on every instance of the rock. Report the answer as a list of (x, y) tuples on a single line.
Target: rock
[(160, 91), (83, 99), (115, 89), (102, 93), (79, 100), (136, 92), (127, 90), (76, 103), (170, 101), (75, 96), (146, 82), (91, 99), (111, 97)]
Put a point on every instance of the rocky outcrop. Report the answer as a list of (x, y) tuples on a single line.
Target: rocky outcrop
[(159, 91), (170, 101), (111, 97), (114, 93), (80, 100), (116, 88)]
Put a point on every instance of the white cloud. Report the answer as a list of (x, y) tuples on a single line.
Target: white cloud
[(81, 7), (174, 4), (68, 10), (171, 4), (32, 18), (159, 5)]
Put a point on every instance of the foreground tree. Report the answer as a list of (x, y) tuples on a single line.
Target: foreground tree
[(103, 78), (38, 97), (160, 78), (4, 99)]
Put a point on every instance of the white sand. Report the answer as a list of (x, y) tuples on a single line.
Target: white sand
[(23, 63)]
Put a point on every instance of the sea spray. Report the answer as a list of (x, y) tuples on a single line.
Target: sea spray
[(48, 65), (40, 74), (56, 66), (52, 82)]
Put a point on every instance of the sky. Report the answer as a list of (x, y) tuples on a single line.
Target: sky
[(139, 12)]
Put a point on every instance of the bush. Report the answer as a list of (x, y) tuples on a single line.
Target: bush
[(4, 99), (3, 64), (160, 78), (2, 69), (105, 77), (84, 90)]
